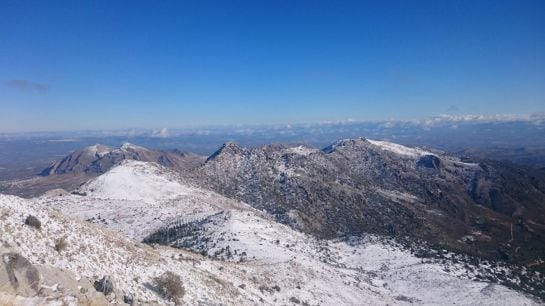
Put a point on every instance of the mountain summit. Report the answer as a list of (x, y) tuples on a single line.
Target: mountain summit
[(99, 159)]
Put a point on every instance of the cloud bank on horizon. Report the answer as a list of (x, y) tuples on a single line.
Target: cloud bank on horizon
[(443, 120)]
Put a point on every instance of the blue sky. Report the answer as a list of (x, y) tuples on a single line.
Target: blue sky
[(71, 65)]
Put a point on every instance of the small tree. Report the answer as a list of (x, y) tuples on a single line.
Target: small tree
[(170, 285)]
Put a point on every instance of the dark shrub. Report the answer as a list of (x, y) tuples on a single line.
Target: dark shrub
[(33, 221), (170, 285), (295, 300), (104, 285)]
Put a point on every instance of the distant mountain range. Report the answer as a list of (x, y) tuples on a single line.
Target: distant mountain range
[(86, 163), (519, 139)]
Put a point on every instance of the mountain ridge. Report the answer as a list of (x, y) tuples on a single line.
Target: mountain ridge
[(360, 185), (227, 252)]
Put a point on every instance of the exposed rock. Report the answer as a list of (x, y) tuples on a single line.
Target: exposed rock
[(18, 275), (429, 161), (22, 283), (357, 185)]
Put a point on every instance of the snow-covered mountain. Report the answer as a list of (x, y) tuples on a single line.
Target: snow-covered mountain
[(137, 198), (358, 185), (224, 251), (84, 164), (99, 159), (358, 222)]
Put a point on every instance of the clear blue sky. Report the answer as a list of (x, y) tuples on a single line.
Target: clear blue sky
[(69, 65)]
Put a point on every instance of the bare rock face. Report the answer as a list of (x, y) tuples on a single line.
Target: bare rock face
[(429, 161)]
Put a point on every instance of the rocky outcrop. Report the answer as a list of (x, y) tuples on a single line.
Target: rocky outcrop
[(357, 185), (18, 276), (22, 283)]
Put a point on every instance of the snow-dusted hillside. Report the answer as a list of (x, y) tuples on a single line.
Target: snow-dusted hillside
[(398, 149), (134, 180), (306, 271), (250, 259), (136, 198)]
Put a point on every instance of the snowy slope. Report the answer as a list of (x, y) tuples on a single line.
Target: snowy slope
[(314, 272), (135, 180), (399, 149), (250, 259), (136, 198), (93, 252), (373, 264)]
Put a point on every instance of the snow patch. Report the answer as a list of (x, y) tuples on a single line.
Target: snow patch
[(130, 146), (399, 149), (301, 150)]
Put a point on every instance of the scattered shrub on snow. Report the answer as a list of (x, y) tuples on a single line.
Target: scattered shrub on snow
[(60, 244), (295, 300), (104, 285), (33, 221), (170, 285)]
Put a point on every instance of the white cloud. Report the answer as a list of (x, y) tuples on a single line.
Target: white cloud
[(160, 133)]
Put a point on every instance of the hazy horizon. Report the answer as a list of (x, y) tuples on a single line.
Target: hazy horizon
[(165, 131)]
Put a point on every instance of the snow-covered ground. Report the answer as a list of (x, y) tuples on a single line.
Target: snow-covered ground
[(136, 181), (136, 198), (301, 150), (399, 149), (250, 259), (415, 152)]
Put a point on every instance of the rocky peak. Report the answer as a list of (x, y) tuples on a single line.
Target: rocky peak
[(228, 148), (346, 143)]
